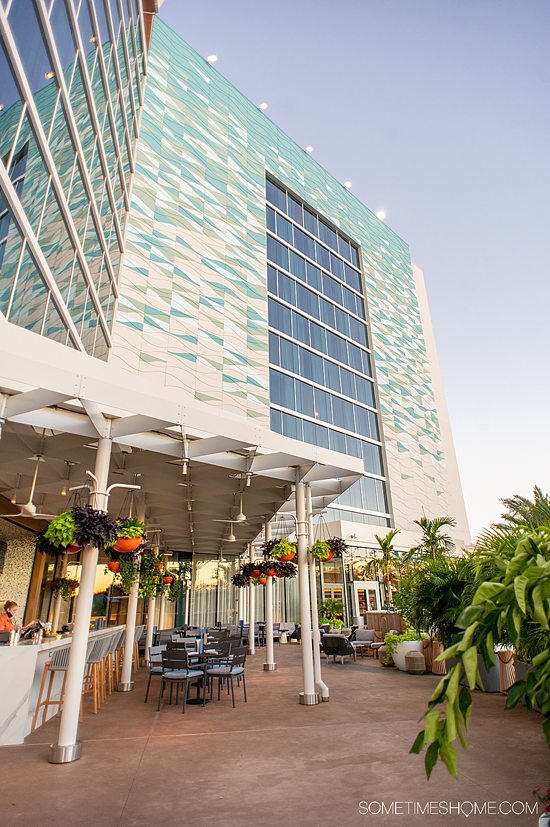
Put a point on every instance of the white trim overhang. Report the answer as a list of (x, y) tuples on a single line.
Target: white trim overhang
[(47, 385)]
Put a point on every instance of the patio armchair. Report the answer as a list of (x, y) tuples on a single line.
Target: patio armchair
[(337, 646), (176, 670), (363, 639), (232, 669)]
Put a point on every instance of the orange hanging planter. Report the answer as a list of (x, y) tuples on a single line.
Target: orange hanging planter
[(330, 555), (286, 557), (255, 573), (168, 579), (262, 580), (125, 545), (114, 566), (271, 573), (72, 549)]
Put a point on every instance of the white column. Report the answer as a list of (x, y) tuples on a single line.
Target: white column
[(162, 610), (251, 609), (320, 685), (269, 665), (308, 696), (57, 598), (68, 748), (151, 604), (126, 683)]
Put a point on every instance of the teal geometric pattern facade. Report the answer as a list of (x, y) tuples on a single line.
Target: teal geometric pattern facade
[(192, 309)]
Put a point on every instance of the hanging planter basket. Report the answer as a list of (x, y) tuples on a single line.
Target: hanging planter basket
[(271, 572), (262, 580), (167, 579), (126, 545), (114, 566), (322, 551), (283, 551), (74, 548)]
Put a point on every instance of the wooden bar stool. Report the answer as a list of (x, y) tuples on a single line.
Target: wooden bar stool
[(59, 662), (94, 678)]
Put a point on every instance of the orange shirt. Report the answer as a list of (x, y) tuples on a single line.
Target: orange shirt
[(6, 624)]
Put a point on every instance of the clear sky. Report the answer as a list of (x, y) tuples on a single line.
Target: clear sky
[(438, 111)]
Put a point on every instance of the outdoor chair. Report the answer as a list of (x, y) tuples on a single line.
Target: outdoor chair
[(337, 646), (231, 669), (377, 644), (94, 678), (155, 665), (177, 671), (363, 639)]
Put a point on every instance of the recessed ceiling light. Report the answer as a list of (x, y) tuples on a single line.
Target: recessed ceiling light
[(309, 148), (381, 214), (347, 185), (262, 106), (211, 58)]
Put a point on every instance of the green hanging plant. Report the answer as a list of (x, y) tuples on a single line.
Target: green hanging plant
[(283, 549), (322, 550), (61, 532), (127, 575), (175, 589), (151, 581), (65, 587)]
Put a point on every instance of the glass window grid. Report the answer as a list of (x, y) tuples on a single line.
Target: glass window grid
[(289, 275), (346, 341), (352, 516), (331, 401), (57, 106), (287, 291), (275, 344), (285, 206)]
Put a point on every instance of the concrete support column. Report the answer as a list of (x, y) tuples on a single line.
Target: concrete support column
[(68, 748), (320, 685), (151, 606), (126, 683), (251, 609), (57, 599), (162, 610), (269, 665), (309, 695)]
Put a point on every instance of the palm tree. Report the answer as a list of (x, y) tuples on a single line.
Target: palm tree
[(389, 560), (525, 513), (433, 542)]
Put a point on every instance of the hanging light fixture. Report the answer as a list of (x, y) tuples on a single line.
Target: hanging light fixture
[(16, 489)]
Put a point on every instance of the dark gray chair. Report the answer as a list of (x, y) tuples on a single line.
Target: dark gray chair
[(177, 671), (337, 646), (232, 668)]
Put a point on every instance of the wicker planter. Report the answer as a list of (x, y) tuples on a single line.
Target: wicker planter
[(433, 648), (415, 663)]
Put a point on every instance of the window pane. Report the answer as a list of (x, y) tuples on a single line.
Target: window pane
[(372, 458), (314, 276), (287, 289), (297, 265), (323, 408), (300, 328), (282, 389), (344, 248), (304, 398), (348, 383), (327, 235), (275, 195), (273, 349), (351, 277), (318, 337), (332, 289), (307, 301), (322, 256), (304, 243), (295, 210), (337, 441), (357, 331), (271, 219), (276, 421), (284, 228), (310, 221), (365, 391), (277, 252), (289, 356), (272, 279), (292, 426), (327, 312), (354, 446), (342, 321), (332, 373), (336, 266), (280, 317), (355, 358)]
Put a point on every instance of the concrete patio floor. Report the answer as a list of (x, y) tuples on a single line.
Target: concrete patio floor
[(272, 761)]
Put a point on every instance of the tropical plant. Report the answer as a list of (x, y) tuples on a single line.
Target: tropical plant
[(321, 550), (287, 569), (130, 528), (150, 578), (92, 527), (127, 575), (175, 589), (511, 605), (523, 512), (390, 562), (338, 546), (433, 543), (283, 548), (65, 587), (391, 640), (240, 580), (432, 595), (45, 546), (331, 611), (61, 532)]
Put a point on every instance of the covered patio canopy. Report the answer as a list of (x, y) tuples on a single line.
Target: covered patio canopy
[(200, 469)]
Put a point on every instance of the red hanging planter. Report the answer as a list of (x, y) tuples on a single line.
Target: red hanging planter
[(271, 573), (286, 557), (72, 549), (168, 579), (262, 580), (255, 573), (125, 545), (114, 566)]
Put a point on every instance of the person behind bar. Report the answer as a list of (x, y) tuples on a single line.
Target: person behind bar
[(7, 620)]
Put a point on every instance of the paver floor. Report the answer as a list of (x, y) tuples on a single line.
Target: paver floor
[(272, 761)]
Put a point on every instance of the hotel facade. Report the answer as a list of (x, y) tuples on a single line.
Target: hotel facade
[(174, 265)]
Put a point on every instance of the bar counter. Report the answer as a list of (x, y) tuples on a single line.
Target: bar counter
[(21, 670)]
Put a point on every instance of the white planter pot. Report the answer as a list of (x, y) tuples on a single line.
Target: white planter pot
[(403, 648)]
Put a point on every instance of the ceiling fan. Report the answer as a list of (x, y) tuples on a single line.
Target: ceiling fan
[(29, 509)]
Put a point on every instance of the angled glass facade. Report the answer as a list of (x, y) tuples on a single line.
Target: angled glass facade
[(321, 385), (71, 81)]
